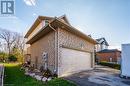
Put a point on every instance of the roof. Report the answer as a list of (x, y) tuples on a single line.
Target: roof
[(40, 18), (109, 51), (64, 18), (102, 40), (56, 22), (37, 21)]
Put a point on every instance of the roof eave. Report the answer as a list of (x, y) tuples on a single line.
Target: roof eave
[(40, 34), (71, 28), (37, 21)]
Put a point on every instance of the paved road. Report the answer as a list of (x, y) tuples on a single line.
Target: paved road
[(100, 76)]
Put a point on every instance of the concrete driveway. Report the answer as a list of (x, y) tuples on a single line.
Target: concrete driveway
[(100, 76)]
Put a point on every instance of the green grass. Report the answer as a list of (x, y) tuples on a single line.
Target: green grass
[(15, 77)]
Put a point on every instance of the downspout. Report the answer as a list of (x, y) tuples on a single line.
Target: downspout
[(55, 60), (58, 52)]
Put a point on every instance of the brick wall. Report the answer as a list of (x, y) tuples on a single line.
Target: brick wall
[(107, 56), (73, 41), (45, 44)]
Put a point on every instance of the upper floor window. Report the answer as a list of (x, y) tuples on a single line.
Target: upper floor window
[(46, 22)]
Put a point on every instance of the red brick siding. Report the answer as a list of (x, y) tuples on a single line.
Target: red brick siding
[(106, 56)]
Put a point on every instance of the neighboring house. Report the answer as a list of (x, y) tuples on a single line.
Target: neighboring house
[(109, 55), (65, 49), (101, 45)]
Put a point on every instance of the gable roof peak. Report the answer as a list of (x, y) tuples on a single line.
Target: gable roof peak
[(64, 17), (102, 40)]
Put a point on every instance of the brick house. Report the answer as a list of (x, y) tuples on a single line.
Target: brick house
[(109, 55), (64, 49)]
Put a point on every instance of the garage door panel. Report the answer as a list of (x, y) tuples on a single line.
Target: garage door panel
[(73, 61)]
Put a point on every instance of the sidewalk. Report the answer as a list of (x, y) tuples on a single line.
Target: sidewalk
[(1, 74)]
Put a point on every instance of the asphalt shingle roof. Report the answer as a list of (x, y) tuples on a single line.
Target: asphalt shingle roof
[(108, 51)]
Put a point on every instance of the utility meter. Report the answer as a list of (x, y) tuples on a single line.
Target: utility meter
[(45, 56), (45, 59)]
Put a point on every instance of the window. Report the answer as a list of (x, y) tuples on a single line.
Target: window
[(82, 45), (46, 22), (110, 59)]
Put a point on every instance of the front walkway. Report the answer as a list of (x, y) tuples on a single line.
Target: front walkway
[(100, 76)]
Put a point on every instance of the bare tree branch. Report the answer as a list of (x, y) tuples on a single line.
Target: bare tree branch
[(9, 38)]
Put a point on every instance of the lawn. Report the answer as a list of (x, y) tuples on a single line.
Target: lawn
[(15, 77)]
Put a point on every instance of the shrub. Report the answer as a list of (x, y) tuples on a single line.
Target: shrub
[(55, 75), (47, 73), (12, 58), (112, 65)]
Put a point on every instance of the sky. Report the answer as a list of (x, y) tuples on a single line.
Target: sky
[(100, 18)]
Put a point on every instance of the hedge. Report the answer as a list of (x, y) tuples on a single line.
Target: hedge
[(112, 65)]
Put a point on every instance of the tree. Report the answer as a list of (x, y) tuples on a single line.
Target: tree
[(19, 47), (14, 42), (3, 56), (8, 37)]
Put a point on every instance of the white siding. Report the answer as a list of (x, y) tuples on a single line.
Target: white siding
[(125, 64)]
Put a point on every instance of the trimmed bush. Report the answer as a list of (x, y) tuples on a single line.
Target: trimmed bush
[(112, 65)]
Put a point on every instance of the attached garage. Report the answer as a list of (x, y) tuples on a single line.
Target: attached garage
[(73, 61)]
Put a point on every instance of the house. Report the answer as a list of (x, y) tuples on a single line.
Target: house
[(55, 44), (101, 44), (109, 55)]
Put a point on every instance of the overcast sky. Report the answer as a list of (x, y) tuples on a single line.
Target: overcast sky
[(100, 18)]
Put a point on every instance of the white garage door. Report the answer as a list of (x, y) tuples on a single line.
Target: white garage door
[(74, 61)]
